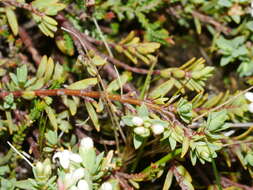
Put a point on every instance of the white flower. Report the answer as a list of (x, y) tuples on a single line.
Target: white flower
[(106, 186), (137, 121), (87, 143), (71, 178), (65, 157), (83, 185), (157, 129), (249, 96)]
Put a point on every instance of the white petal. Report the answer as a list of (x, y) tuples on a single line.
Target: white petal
[(64, 161), (76, 158), (249, 96), (78, 174), (250, 107), (56, 155), (83, 185), (106, 186), (66, 153), (87, 143), (137, 121), (68, 180), (229, 133)]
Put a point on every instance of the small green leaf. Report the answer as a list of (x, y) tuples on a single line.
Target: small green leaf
[(51, 115), (24, 184), (216, 121), (225, 3), (185, 146), (82, 84), (12, 19), (49, 69), (115, 84), (145, 48), (168, 180), (162, 89), (225, 60), (138, 140), (128, 120), (249, 158), (184, 109), (143, 111), (42, 67), (93, 115), (22, 74), (89, 158), (14, 78), (98, 61), (52, 137), (173, 143), (224, 44), (250, 25), (65, 126)]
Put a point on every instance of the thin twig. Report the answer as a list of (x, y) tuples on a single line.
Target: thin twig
[(221, 105), (207, 19), (29, 44), (227, 183), (232, 125), (26, 6), (21, 155)]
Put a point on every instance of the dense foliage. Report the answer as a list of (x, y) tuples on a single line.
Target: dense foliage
[(126, 94)]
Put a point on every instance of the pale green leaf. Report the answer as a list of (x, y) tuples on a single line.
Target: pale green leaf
[(115, 84), (42, 67), (168, 180), (162, 89), (138, 140), (51, 115), (93, 115), (82, 84), (12, 19)]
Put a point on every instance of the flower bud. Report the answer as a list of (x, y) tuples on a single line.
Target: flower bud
[(157, 129), (78, 174), (250, 107), (106, 186), (142, 131), (87, 143), (39, 168), (47, 170), (137, 121)]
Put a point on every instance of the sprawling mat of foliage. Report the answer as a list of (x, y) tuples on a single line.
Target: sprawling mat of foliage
[(126, 94)]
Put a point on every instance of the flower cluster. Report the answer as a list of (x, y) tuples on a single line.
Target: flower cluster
[(143, 125), (78, 168)]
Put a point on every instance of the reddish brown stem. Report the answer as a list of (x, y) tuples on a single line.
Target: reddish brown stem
[(91, 94), (207, 19), (26, 6), (29, 44)]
